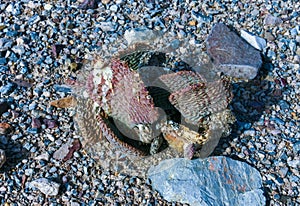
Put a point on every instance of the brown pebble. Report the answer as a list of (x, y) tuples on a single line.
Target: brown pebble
[(4, 128), (269, 36), (66, 102), (192, 23)]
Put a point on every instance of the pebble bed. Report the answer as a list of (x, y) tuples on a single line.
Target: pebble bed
[(33, 73)]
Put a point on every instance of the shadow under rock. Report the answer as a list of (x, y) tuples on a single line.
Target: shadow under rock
[(252, 99), (15, 153)]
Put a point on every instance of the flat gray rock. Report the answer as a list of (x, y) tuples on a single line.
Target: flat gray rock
[(231, 54), (211, 181)]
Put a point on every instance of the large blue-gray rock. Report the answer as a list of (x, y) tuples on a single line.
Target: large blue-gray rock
[(211, 181)]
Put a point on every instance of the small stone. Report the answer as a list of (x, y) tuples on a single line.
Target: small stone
[(53, 169), (7, 89), (44, 156), (283, 171), (88, 4), (3, 139), (294, 31), (201, 17), (231, 55), (62, 152), (47, 7), (22, 83), (48, 60), (272, 20), (140, 35), (294, 163), (29, 172), (4, 128), (270, 147), (65, 152), (3, 61), (35, 123), (9, 8), (113, 8), (193, 23), (66, 102), (32, 130), (2, 157), (108, 26), (255, 12), (34, 19), (75, 204), (50, 123), (51, 137), (249, 133), (296, 147), (255, 41), (292, 46), (47, 187), (62, 88)]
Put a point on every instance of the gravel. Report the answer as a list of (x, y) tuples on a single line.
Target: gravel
[(43, 46)]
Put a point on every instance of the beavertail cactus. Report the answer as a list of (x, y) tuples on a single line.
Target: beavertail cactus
[(121, 104)]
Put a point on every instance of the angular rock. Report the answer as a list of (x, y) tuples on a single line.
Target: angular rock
[(22, 83), (140, 35), (65, 102), (255, 41), (272, 20), (88, 4), (46, 186), (211, 181), (7, 89), (65, 152), (231, 54), (108, 26), (2, 157)]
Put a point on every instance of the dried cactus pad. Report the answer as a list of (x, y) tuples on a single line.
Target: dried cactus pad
[(131, 102), (194, 97)]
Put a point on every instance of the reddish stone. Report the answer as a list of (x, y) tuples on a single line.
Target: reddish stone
[(231, 54)]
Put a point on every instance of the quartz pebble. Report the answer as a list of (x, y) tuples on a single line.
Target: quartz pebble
[(46, 186), (255, 41)]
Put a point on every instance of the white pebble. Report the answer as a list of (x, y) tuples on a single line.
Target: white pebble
[(255, 41), (48, 7), (114, 8), (46, 186)]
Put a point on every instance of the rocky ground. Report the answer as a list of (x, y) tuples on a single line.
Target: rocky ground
[(45, 43)]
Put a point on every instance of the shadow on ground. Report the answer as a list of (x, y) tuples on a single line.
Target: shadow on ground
[(251, 100), (15, 153)]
